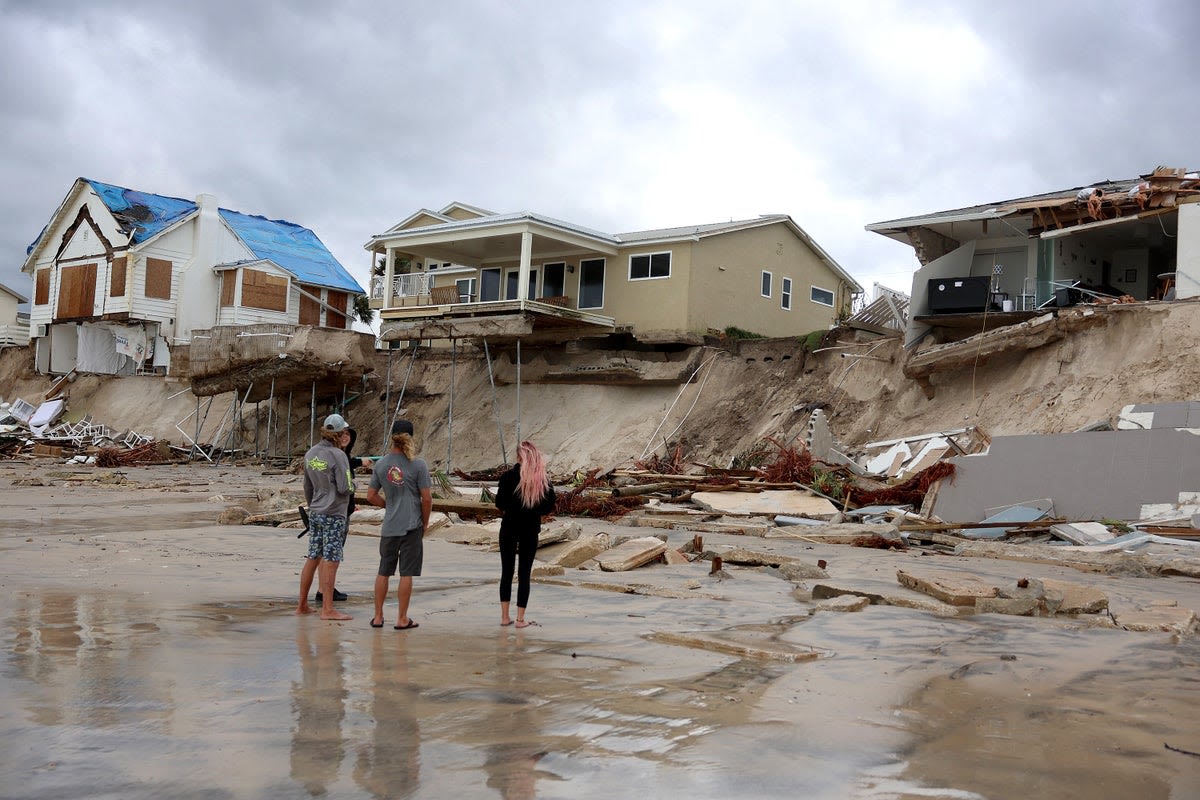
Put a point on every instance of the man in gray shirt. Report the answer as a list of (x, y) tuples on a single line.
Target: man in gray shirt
[(328, 486), (408, 497)]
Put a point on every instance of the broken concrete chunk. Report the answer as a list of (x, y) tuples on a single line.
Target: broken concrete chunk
[(1083, 532), (837, 533), (543, 570), (675, 558), (631, 555), (749, 558), (949, 587), (789, 501), (1161, 618), (234, 515), (576, 553), (801, 571), (742, 646), (1077, 598), (1013, 606), (845, 602)]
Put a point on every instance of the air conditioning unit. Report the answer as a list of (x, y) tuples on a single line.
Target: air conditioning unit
[(42, 330)]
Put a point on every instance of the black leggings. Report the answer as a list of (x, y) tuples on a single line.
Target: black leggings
[(513, 543)]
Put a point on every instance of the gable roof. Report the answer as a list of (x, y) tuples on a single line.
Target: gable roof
[(292, 247), (143, 214), (20, 298), (605, 242)]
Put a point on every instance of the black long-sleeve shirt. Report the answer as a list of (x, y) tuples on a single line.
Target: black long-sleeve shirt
[(518, 517)]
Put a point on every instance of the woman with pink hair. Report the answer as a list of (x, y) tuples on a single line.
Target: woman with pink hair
[(524, 495)]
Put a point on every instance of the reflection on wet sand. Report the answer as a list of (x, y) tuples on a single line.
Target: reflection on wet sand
[(516, 740), (83, 645), (390, 766), (318, 701)]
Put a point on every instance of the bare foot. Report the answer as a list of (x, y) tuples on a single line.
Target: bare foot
[(304, 609), (335, 615), (504, 623), (523, 624)]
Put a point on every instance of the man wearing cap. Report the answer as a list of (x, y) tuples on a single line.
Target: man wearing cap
[(408, 497), (328, 486)]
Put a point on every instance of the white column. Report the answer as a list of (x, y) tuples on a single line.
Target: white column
[(389, 275), (526, 265)]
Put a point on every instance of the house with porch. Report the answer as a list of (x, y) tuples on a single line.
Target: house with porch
[(1001, 263), (465, 272), (120, 276)]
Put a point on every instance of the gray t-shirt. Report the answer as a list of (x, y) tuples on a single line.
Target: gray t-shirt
[(328, 483), (401, 482)]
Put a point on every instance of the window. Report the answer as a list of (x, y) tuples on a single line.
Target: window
[(263, 290), (766, 284), (489, 284), (466, 289), (591, 283), (228, 286), (341, 301), (117, 279), (553, 280), (649, 265), (158, 279), (821, 296), (512, 280), (41, 292), (785, 294)]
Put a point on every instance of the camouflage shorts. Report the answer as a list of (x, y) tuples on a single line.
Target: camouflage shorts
[(326, 537)]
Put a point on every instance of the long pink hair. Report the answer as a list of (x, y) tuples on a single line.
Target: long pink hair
[(533, 483)]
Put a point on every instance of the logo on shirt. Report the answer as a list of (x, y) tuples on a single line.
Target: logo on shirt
[(395, 475), (318, 464)]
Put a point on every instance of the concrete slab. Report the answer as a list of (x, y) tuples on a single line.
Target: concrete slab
[(1094, 475), (788, 501), (845, 602), (631, 554), (950, 587), (1083, 532)]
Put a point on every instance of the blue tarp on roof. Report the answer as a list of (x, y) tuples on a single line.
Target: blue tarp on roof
[(146, 215), (293, 247)]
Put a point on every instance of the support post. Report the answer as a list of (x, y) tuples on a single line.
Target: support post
[(450, 409), (519, 439), (495, 407)]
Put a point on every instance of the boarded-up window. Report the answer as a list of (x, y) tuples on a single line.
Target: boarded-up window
[(158, 278), (310, 309), (77, 292), (228, 286), (334, 319), (260, 290), (41, 292), (117, 288)]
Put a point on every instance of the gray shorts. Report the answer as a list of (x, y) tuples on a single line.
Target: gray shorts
[(402, 554)]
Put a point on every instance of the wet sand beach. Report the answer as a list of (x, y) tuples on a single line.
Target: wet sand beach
[(150, 652)]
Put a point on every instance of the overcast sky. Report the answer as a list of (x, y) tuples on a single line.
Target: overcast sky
[(345, 117)]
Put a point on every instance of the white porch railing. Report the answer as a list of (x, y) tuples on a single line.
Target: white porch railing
[(409, 284)]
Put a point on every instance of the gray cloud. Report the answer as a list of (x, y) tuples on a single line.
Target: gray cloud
[(346, 117)]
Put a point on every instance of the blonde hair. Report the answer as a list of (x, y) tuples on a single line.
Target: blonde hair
[(405, 444), (333, 436)]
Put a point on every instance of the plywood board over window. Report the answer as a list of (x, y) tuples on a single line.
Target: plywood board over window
[(334, 319), (117, 281), (41, 292), (228, 287), (265, 291), (158, 279), (77, 292), (310, 309)]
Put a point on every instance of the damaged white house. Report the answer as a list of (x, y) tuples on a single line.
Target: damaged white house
[(1128, 240), (119, 276)]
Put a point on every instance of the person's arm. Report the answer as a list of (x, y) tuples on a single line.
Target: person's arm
[(504, 491), (548, 501), (308, 488), (426, 508), (374, 497)]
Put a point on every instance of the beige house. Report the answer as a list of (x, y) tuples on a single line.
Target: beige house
[(14, 326), (464, 272)]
